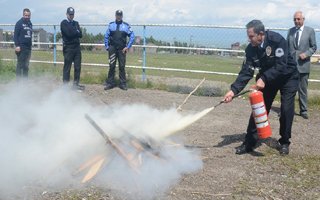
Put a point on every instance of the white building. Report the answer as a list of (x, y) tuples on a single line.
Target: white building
[(39, 35)]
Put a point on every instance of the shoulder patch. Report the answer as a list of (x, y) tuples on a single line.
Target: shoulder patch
[(279, 52)]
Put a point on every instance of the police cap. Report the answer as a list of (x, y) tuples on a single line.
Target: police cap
[(119, 12), (70, 11)]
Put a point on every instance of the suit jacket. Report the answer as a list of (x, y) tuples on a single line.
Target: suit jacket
[(307, 45)]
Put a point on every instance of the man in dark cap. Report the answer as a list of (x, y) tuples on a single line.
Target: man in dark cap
[(116, 44), (23, 43), (71, 34)]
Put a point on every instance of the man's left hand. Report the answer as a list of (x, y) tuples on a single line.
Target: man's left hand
[(125, 50), (259, 85), (302, 56)]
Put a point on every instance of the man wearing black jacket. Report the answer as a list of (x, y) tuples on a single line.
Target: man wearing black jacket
[(71, 34), (23, 42), (268, 53)]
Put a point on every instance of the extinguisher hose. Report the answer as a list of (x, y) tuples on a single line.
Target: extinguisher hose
[(235, 96), (242, 93)]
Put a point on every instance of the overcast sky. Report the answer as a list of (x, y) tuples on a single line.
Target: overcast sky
[(274, 13)]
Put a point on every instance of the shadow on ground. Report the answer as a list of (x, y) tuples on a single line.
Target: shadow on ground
[(230, 139), (235, 138)]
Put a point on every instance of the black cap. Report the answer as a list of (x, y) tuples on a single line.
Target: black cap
[(119, 12), (70, 11)]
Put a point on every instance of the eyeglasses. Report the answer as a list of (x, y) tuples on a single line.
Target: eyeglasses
[(297, 19)]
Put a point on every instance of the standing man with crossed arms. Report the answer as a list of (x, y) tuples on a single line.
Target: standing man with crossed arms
[(302, 44), (71, 34), (116, 44)]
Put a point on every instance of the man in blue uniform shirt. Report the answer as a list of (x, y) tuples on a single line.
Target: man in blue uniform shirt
[(23, 43), (71, 34), (268, 53), (116, 44)]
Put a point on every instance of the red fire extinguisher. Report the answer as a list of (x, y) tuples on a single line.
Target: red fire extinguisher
[(260, 114)]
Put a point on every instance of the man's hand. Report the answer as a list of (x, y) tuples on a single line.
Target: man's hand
[(228, 97), (17, 49), (259, 85), (303, 56), (125, 50)]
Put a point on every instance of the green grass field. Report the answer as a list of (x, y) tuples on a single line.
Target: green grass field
[(92, 74)]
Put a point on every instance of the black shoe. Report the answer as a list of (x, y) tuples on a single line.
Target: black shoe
[(123, 87), (108, 87), (78, 87), (284, 149), (243, 149), (304, 116)]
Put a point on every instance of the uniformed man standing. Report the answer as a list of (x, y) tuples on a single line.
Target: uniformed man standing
[(268, 52), (23, 43), (116, 44), (71, 34)]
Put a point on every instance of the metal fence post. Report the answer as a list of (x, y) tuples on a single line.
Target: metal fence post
[(54, 45), (144, 54)]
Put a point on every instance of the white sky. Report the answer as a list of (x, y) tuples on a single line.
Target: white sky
[(273, 13)]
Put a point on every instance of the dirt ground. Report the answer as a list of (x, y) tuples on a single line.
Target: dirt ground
[(261, 175)]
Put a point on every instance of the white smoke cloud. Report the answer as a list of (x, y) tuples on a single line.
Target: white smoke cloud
[(45, 138)]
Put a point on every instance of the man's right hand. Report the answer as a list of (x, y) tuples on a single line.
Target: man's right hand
[(17, 49), (228, 96), (302, 56)]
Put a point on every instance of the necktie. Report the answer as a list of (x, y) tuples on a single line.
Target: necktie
[(297, 37)]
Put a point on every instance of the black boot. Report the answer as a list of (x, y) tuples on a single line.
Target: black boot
[(284, 149), (123, 86), (77, 86), (243, 149), (108, 86)]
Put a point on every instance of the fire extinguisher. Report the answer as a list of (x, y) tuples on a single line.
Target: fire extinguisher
[(260, 114)]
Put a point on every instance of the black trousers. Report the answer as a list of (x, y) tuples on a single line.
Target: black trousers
[(23, 58), (288, 88), (114, 55), (71, 53)]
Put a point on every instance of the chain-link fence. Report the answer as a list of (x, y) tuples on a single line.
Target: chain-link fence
[(160, 47)]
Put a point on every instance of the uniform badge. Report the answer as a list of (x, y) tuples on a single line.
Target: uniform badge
[(268, 50), (279, 52)]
